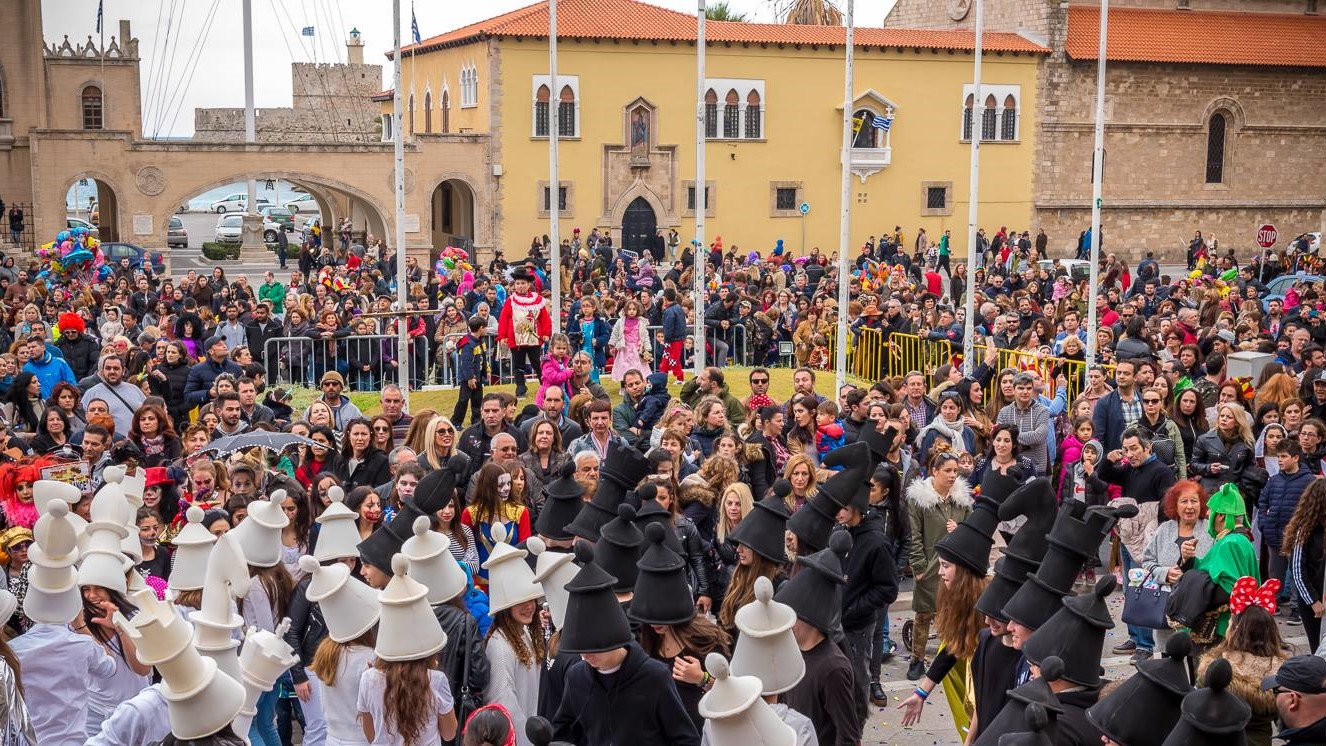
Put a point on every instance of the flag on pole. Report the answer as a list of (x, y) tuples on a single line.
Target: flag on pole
[(307, 31), (100, 8), (883, 123), (414, 25), (858, 122)]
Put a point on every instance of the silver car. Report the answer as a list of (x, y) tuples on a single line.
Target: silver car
[(229, 228)]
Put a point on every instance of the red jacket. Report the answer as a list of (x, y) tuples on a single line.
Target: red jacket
[(506, 330)]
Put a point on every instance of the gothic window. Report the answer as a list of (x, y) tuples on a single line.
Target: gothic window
[(1008, 121), (867, 134), (1216, 131), (541, 111), (967, 117), (989, 119), (428, 111), (446, 111), (411, 113), (93, 114), (732, 116), (566, 113), (469, 87), (710, 114), (753, 116)]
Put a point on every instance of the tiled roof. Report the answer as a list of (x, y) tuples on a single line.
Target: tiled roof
[(1195, 36), (638, 21), (383, 95)]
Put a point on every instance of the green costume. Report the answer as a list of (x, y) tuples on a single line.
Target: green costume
[(1232, 556)]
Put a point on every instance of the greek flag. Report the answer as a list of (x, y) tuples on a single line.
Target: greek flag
[(307, 31), (883, 123), (100, 8), (414, 25)]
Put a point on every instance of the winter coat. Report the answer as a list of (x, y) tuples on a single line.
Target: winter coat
[(674, 324), (306, 631), (464, 640), (1146, 483), (928, 517), (872, 579), (1096, 493), (1276, 504), (1162, 551), (1135, 533), (372, 471), (472, 360), (638, 704), (81, 354), (600, 331), (1209, 449), (554, 372), (694, 552), (732, 406), (1166, 429), (202, 376), (653, 403), (172, 390), (1249, 670)]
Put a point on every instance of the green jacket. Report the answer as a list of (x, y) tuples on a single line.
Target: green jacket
[(274, 292), (1230, 558), (929, 517), (736, 413)]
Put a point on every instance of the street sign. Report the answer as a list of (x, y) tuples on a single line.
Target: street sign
[(805, 208), (1267, 235)]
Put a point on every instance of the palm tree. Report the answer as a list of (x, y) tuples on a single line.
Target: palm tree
[(722, 11), (814, 13)]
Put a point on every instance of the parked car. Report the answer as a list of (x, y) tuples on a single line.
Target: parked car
[(72, 223), (1278, 286), (177, 235), (236, 203), (1078, 269), (279, 215), (305, 203), (116, 250), (230, 228)]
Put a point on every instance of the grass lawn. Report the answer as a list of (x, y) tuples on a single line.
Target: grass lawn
[(444, 400)]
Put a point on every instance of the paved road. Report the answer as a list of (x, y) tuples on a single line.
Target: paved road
[(202, 227)]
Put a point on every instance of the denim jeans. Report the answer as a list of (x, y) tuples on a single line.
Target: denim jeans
[(263, 730), (1142, 636)]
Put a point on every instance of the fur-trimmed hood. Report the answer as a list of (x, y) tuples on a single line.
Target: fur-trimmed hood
[(1248, 673), (922, 494), (694, 489)]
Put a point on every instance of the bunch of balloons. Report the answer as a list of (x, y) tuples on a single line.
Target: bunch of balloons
[(74, 254), (453, 257)]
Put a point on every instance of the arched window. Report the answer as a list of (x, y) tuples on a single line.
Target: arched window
[(732, 115), (989, 119), (867, 134), (93, 118), (1216, 131), (754, 120), (541, 99), (710, 114), (446, 111), (428, 111), (967, 116), (411, 113), (1008, 121), (566, 113)]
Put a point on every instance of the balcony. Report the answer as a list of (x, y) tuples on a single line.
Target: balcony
[(866, 162)]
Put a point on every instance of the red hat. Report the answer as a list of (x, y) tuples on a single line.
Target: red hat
[(71, 322), (157, 475)]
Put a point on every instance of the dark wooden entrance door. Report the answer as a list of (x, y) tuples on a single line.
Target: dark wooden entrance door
[(639, 225)]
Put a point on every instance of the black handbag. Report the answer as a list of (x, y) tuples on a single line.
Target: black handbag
[(470, 700), (1192, 598), (1144, 606)]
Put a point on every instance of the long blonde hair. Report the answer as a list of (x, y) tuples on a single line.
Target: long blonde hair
[(747, 503), (957, 621), (327, 658), (435, 459), (800, 459), (1242, 420)]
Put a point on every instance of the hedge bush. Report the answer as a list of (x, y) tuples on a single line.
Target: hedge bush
[(215, 250)]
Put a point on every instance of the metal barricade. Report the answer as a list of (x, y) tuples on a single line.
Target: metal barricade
[(904, 353), (366, 362), (1048, 368)]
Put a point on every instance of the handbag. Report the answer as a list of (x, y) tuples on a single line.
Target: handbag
[(1193, 597), (1144, 606), (469, 700)]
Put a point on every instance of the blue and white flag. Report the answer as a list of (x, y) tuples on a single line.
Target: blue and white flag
[(100, 8), (883, 123), (307, 31), (414, 25)]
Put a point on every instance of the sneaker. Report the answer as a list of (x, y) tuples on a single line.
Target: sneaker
[(890, 647), (916, 669), (1294, 621), (1127, 646), (877, 696), (1141, 655)]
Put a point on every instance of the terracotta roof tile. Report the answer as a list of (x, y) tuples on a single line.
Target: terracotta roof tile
[(633, 20), (383, 95), (1202, 37)]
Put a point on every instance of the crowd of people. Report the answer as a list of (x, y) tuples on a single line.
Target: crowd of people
[(621, 546)]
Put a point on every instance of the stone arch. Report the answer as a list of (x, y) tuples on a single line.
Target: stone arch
[(110, 220), (666, 218), (1231, 107), (477, 205)]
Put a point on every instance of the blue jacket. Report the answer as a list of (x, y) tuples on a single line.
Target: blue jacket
[(1109, 422), (472, 359), (50, 371), (1277, 502), (202, 376), (674, 324), (653, 403)]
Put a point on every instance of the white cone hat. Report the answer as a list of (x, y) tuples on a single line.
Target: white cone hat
[(260, 533), (104, 561), (766, 648), (349, 606), (193, 545), (432, 564), (8, 604), (264, 657), (215, 622), (134, 485), (735, 713), (510, 579), (201, 699), (407, 630), (53, 596), (46, 490), (553, 570), (339, 535)]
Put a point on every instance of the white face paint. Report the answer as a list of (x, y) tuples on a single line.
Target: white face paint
[(504, 486)]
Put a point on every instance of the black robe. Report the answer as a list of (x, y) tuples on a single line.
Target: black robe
[(994, 668), (826, 695)]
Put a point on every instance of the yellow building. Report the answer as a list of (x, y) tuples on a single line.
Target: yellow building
[(627, 121)]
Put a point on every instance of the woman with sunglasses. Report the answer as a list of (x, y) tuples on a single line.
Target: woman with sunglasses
[(935, 506), (382, 438), (440, 446)]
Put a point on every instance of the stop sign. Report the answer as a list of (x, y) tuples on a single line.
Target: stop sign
[(1267, 235)]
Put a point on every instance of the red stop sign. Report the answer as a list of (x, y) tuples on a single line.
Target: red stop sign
[(1267, 235)]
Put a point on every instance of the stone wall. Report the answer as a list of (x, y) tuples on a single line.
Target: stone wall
[(1029, 17), (331, 104)]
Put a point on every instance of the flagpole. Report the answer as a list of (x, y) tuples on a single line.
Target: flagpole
[(1097, 175), (845, 200), (701, 201), (973, 204), (554, 184), (398, 182)]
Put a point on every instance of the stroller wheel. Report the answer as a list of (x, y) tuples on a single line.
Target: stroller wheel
[(907, 635)]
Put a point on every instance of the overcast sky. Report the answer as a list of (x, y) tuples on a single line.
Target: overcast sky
[(174, 43)]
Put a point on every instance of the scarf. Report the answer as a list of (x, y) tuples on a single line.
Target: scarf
[(154, 446), (950, 430)]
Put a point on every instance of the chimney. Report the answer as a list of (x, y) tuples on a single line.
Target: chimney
[(354, 49), (125, 36)]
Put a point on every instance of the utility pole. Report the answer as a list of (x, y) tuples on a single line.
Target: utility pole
[(973, 207), (701, 196), (1097, 175), (402, 294), (554, 184), (845, 203)]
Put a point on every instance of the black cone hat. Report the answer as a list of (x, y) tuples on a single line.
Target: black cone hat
[(1036, 501), (878, 442), (618, 549), (595, 622), (970, 542), (562, 506), (815, 593), (662, 592), (763, 528), (1075, 634), (814, 522), (650, 513), (432, 494), (1036, 692), (1145, 707), (1009, 575), (1036, 734), (622, 469), (857, 465), (1212, 715)]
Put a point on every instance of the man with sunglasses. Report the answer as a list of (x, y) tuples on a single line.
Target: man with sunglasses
[(1300, 699), (343, 410)]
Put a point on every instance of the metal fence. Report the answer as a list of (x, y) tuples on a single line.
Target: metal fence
[(366, 362)]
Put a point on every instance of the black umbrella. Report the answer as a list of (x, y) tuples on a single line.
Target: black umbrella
[(271, 441)]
